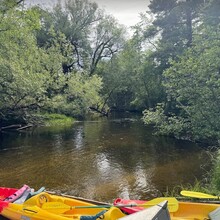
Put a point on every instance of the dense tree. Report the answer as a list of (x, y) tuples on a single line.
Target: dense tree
[(173, 25), (91, 34), (31, 77), (81, 93), (108, 39), (129, 79), (192, 84), (22, 81), (116, 85)]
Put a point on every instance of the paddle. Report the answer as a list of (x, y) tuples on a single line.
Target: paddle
[(198, 195), (59, 207)]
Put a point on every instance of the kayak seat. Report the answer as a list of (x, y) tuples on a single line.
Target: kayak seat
[(215, 215), (32, 193)]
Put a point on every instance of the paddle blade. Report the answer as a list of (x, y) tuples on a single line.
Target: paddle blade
[(59, 207), (173, 204), (198, 195)]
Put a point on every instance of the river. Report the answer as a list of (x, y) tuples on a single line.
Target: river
[(100, 159)]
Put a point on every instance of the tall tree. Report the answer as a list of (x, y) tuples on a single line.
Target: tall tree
[(108, 39), (192, 82), (174, 23), (91, 34)]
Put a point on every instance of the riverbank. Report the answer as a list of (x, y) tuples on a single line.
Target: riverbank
[(36, 120)]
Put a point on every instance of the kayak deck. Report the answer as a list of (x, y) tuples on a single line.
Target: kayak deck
[(49, 207), (193, 211)]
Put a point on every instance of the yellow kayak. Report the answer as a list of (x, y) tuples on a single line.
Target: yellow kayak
[(194, 211), (183, 210), (45, 206)]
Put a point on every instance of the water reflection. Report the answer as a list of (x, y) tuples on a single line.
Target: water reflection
[(102, 159), (103, 165), (78, 138)]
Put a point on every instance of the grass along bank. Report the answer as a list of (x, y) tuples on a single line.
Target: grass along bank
[(57, 119)]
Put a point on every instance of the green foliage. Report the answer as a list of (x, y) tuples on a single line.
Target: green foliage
[(108, 40), (194, 83), (31, 77), (166, 125), (215, 178), (147, 84), (7, 5), (22, 78), (173, 26), (192, 79), (90, 33), (210, 14), (82, 91), (129, 79)]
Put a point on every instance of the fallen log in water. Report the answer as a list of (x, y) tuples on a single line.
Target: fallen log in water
[(101, 112), (24, 127), (16, 126)]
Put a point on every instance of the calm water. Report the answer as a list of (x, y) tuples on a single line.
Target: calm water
[(100, 159)]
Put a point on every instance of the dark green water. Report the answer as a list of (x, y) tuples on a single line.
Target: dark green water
[(100, 159)]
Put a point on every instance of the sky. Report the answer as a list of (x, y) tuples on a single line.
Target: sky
[(125, 11)]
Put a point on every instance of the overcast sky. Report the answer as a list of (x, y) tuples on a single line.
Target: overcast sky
[(125, 11)]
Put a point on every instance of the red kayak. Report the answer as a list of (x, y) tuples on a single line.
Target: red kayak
[(6, 192), (129, 210), (11, 194)]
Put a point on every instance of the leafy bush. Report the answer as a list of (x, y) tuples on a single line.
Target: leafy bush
[(164, 124)]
